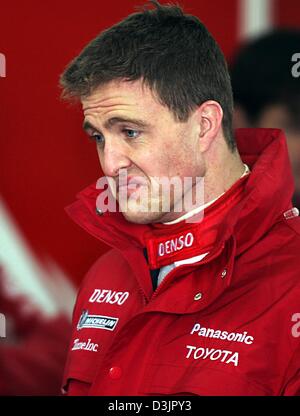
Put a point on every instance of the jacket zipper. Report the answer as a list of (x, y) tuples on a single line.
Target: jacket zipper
[(174, 271), (145, 299)]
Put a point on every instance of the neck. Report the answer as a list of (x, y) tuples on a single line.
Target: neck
[(221, 176), (224, 168)]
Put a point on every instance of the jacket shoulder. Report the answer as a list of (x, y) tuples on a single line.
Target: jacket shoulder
[(286, 251), (294, 225), (107, 271), (112, 263), (288, 241)]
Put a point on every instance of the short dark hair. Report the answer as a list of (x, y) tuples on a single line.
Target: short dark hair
[(261, 74), (171, 52)]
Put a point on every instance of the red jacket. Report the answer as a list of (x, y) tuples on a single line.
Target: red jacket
[(226, 325)]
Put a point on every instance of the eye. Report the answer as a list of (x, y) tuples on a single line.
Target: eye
[(131, 134), (98, 138)]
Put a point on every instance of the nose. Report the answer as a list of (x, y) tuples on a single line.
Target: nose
[(113, 158)]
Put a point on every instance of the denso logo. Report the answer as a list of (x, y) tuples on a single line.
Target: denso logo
[(175, 244), (108, 296)]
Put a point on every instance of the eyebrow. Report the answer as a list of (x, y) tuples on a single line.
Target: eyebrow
[(114, 120)]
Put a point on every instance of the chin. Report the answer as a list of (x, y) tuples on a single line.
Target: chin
[(139, 217)]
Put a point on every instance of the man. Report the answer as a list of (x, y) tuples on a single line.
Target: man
[(265, 77), (200, 298)]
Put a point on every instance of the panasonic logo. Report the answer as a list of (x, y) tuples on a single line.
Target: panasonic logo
[(224, 335), (175, 244)]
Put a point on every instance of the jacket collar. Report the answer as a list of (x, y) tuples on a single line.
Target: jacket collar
[(269, 190)]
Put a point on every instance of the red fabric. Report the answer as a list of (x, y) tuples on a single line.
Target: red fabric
[(222, 326)]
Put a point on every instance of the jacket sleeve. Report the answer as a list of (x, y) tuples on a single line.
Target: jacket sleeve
[(72, 385), (293, 386), (74, 382)]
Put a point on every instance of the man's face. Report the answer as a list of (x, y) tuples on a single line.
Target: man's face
[(152, 145)]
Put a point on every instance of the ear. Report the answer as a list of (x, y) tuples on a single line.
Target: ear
[(209, 116)]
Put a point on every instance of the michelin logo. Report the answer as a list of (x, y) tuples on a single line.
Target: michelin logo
[(96, 321)]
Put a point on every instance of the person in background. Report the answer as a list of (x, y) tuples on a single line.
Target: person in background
[(266, 88)]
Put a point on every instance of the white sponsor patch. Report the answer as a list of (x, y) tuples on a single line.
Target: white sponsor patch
[(175, 244), (96, 321), (224, 356), (109, 296), (87, 346)]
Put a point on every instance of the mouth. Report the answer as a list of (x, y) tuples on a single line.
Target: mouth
[(129, 189), (131, 183)]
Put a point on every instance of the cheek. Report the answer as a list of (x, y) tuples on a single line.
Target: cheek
[(152, 164), (100, 157), (182, 164), (177, 157)]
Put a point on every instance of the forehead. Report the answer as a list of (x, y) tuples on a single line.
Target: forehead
[(123, 95)]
